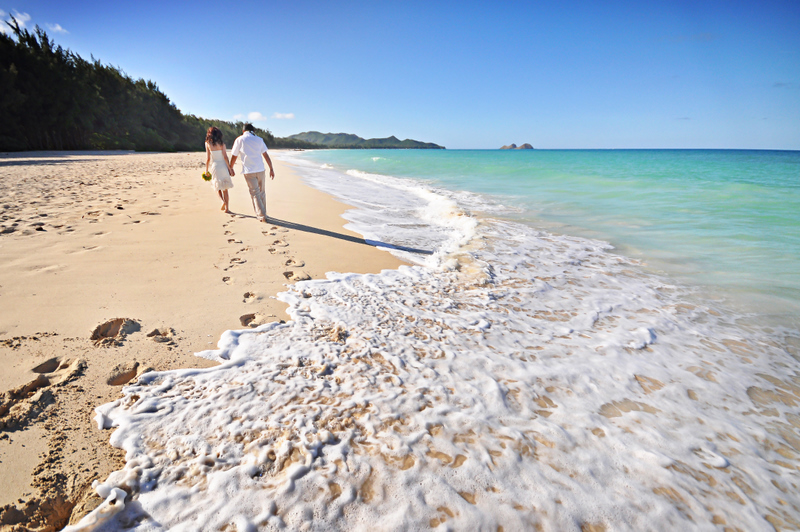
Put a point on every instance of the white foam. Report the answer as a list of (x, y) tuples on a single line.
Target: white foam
[(525, 380), (401, 212)]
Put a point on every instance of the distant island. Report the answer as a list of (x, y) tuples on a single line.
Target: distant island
[(525, 146), (350, 141)]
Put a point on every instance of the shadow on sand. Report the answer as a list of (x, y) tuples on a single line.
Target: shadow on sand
[(331, 234)]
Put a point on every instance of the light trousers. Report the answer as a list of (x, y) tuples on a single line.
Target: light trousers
[(255, 182)]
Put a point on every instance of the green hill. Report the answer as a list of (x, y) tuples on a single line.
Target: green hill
[(349, 141), (53, 99)]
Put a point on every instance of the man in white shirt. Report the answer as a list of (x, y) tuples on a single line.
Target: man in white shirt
[(252, 148)]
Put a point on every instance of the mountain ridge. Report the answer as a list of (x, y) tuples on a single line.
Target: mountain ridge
[(351, 141)]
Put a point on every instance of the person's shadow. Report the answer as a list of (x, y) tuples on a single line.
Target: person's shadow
[(348, 238)]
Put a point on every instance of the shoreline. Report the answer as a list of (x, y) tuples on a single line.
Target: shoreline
[(530, 356), (89, 238), (686, 259)]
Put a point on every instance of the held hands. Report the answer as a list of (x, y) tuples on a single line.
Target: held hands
[(230, 171), (271, 173)]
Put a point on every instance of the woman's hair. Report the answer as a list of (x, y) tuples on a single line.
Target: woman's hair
[(214, 136)]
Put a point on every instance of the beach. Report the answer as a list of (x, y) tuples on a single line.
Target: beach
[(135, 242), (506, 367)]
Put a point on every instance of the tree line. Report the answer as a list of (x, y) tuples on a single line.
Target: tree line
[(53, 99)]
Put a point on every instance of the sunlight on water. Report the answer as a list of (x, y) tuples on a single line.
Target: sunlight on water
[(510, 377), (725, 219)]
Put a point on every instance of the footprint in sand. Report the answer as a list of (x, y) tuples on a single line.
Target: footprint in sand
[(294, 263), (280, 243), (164, 335), (226, 280), (122, 373), (249, 297), (234, 241), (126, 372), (248, 320), (254, 320), (26, 402), (48, 366), (228, 233), (113, 332), (237, 260), (296, 276)]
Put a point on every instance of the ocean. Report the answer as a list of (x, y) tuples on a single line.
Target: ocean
[(581, 340), (727, 220)]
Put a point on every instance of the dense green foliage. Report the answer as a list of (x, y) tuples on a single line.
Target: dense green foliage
[(345, 140), (53, 99)]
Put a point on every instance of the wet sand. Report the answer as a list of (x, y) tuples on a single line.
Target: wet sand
[(116, 263)]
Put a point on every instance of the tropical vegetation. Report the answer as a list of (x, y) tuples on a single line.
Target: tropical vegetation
[(53, 99), (350, 141)]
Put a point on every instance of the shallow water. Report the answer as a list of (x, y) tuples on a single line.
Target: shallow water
[(513, 377), (725, 219)]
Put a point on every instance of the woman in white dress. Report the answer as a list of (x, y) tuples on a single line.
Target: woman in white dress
[(221, 170)]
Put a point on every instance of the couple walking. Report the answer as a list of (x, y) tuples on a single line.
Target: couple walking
[(251, 148)]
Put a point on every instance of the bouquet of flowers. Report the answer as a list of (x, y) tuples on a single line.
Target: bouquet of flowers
[(206, 176)]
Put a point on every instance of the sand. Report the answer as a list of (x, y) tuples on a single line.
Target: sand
[(116, 263)]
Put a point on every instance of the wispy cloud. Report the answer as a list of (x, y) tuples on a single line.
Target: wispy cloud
[(56, 28), (22, 19), (255, 116), (783, 85), (283, 116), (239, 116)]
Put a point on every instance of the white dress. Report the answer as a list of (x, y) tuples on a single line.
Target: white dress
[(220, 177)]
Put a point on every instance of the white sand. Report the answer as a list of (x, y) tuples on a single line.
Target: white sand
[(90, 237)]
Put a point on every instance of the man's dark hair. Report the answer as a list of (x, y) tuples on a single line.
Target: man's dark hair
[(248, 127)]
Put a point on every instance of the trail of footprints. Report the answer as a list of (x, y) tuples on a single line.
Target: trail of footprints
[(23, 405), (276, 245), (42, 198)]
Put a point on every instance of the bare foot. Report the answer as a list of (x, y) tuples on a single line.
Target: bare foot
[(224, 208)]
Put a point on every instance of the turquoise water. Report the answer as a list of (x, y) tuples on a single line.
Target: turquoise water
[(516, 372), (721, 219)]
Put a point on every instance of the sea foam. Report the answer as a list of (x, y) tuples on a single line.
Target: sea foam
[(513, 379)]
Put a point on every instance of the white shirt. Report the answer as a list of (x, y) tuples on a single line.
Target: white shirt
[(250, 147)]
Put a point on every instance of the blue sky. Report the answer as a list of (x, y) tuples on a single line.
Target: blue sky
[(462, 74)]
